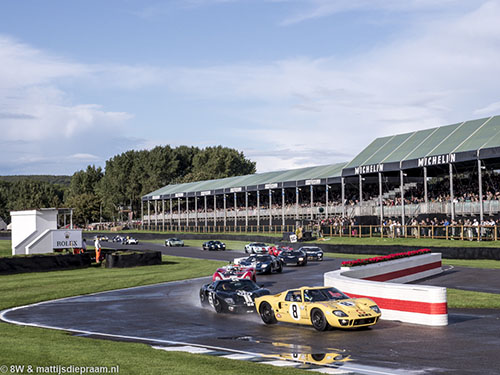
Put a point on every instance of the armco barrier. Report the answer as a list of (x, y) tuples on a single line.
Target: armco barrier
[(382, 282)]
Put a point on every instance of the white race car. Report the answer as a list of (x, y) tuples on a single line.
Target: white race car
[(256, 248), (131, 241)]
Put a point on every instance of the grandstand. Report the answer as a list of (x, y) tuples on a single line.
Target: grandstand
[(446, 172)]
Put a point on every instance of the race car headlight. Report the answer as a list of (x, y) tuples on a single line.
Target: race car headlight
[(301, 259), (229, 301), (375, 308), (339, 313)]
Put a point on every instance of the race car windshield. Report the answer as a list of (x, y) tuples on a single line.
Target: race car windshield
[(293, 253), (234, 285), (260, 258), (327, 294)]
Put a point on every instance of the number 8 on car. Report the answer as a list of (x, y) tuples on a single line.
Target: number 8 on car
[(321, 307)]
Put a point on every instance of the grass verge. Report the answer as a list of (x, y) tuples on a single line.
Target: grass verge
[(464, 299)]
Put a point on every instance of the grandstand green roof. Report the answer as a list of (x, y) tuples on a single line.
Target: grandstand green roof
[(308, 173), (466, 136)]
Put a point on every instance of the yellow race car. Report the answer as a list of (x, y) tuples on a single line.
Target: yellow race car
[(321, 307)]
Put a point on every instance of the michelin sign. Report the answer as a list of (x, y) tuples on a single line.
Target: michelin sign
[(66, 239)]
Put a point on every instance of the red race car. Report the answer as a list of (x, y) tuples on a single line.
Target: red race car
[(273, 250), (235, 270)]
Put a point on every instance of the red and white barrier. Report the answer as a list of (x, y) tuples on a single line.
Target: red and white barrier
[(383, 283)]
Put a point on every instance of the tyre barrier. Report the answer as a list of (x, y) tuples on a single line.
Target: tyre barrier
[(383, 282), (38, 263), (127, 259)]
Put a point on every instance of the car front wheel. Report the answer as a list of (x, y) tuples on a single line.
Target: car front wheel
[(217, 305), (267, 313), (318, 320)]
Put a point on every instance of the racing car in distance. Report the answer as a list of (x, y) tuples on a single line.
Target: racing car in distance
[(130, 241), (313, 252), (232, 295), (321, 307), (263, 263), (256, 248), (214, 245), (293, 257), (174, 242), (234, 270)]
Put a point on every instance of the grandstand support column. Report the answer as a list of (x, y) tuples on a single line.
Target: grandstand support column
[(402, 198), (312, 202), (296, 202), (246, 209), (282, 207), (270, 208), (480, 183), (380, 198), (360, 192), (215, 210), (149, 216), (258, 210), (235, 213), (187, 211), (225, 211), (195, 211), (452, 196), (327, 188), (342, 194), (426, 198), (171, 214), (179, 213), (156, 214), (163, 215), (142, 213), (206, 215)]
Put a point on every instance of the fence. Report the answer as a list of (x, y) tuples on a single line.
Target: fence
[(446, 232)]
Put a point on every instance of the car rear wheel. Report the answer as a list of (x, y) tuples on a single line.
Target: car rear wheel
[(267, 313), (318, 320)]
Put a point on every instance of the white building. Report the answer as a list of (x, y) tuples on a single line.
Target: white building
[(35, 232)]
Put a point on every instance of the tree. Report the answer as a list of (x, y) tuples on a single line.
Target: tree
[(219, 162), (86, 208)]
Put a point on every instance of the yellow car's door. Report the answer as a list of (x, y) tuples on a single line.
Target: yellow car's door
[(291, 308)]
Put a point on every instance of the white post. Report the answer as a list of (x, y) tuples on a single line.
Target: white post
[(452, 197), (270, 207), (282, 207), (480, 182), (163, 214), (312, 203), (326, 200), (402, 199)]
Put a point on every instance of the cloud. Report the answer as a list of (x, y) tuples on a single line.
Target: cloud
[(442, 74), (313, 9), (41, 126)]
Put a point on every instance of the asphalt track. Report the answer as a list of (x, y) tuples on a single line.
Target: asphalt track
[(171, 312)]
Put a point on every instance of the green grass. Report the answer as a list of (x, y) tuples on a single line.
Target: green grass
[(5, 248), (464, 299)]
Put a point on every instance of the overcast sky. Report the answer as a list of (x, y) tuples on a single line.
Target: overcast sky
[(290, 83)]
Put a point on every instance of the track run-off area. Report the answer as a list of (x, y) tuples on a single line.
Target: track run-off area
[(169, 316)]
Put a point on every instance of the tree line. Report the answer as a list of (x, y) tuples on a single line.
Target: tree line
[(95, 193)]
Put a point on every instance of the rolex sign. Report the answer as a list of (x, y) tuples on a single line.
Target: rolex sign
[(66, 239)]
